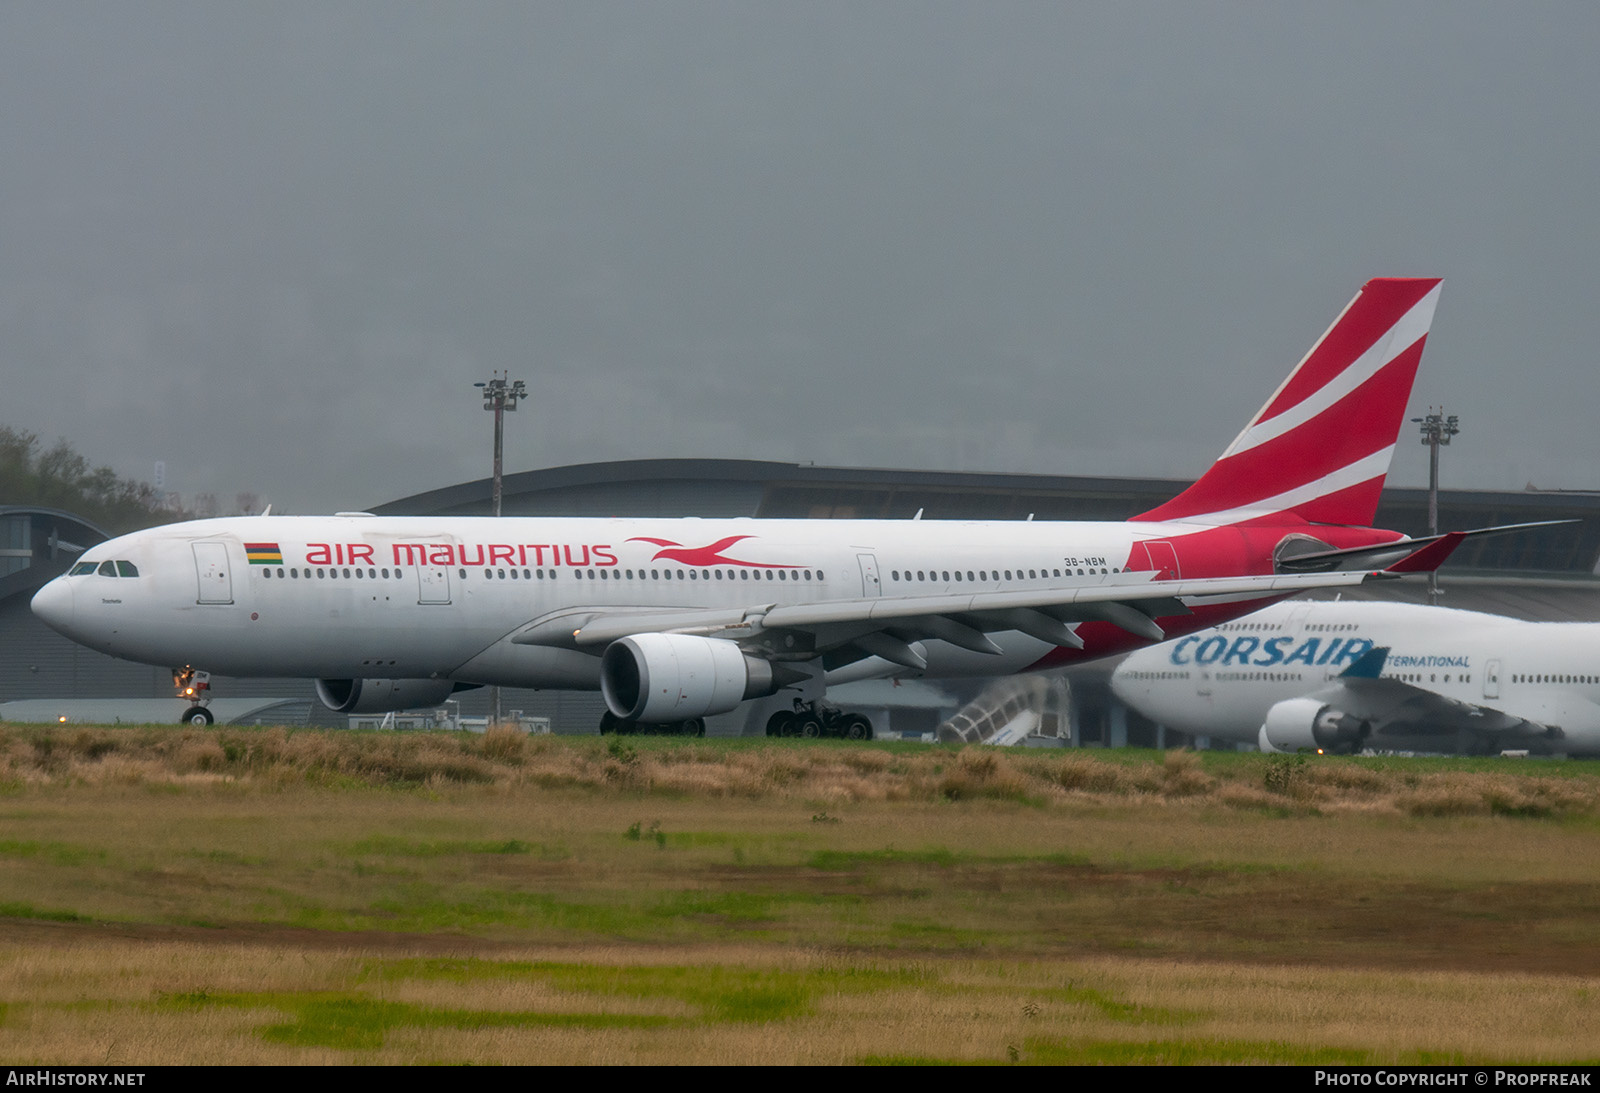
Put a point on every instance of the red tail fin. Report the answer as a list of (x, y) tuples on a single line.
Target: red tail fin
[(1320, 448)]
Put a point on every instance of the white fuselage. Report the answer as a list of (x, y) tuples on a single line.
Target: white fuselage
[(1222, 682), (414, 597), (677, 618)]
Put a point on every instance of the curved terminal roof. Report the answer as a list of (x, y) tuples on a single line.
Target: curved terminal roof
[(737, 487), (1547, 574), (37, 544)]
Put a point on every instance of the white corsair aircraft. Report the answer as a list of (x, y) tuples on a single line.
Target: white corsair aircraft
[(676, 619), (1353, 675)]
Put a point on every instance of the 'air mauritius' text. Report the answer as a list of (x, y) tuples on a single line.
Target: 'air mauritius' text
[(458, 554)]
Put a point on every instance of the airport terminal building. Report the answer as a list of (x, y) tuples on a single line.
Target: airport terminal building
[(1546, 573)]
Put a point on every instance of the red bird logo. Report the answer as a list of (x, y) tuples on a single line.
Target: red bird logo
[(702, 556)]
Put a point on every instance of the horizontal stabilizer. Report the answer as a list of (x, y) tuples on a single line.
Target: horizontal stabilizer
[(1431, 556), (1403, 555)]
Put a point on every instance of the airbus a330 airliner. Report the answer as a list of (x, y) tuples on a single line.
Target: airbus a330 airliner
[(674, 620)]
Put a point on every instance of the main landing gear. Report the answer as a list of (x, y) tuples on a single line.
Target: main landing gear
[(193, 685), (814, 719), (610, 722)]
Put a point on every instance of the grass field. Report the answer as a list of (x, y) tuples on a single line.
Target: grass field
[(179, 895)]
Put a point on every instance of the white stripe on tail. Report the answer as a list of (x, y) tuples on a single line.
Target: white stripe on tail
[(1319, 450)]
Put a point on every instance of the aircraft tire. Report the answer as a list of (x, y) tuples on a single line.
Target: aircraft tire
[(781, 724), (857, 727), (196, 715), (808, 726)]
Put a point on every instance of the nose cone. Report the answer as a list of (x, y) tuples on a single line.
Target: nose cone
[(53, 605), (1121, 684), (1138, 682)]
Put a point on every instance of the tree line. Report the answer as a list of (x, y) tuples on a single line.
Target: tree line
[(58, 477)]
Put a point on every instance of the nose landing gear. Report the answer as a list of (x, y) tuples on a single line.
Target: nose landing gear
[(193, 685)]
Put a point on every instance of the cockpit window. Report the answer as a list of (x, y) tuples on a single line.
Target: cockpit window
[(118, 568)]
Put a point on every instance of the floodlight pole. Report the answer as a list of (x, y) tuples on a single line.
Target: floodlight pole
[(1437, 429), (498, 397), (499, 452)]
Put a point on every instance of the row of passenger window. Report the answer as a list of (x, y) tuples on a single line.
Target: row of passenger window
[(106, 569), (332, 572), (985, 575), (665, 574)]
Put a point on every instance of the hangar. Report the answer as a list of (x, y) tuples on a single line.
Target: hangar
[(1548, 573), (44, 677)]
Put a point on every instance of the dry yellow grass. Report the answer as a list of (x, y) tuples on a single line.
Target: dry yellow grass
[(275, 896), (117, 1002), (759, 769)]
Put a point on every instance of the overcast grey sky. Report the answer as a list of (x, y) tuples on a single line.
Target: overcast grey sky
[(274, 244)]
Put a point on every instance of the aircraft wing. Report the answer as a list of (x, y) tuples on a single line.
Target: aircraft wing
[(1394, 707), (886, 626), (1363, 709)]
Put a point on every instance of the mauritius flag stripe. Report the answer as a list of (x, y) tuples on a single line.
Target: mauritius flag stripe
[(263, 553)]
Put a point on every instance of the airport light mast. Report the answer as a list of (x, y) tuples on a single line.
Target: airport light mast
[(499, 395), (1437, 429)]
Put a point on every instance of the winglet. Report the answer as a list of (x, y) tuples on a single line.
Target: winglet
[(1368, 665), (1430, 557)]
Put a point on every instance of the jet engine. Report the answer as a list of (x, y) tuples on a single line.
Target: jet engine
[(673, 677), (1297, 723), (383, 695)]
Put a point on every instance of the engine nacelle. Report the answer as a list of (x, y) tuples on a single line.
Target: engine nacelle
[(1305, 723), (382, 695), (673, 677)]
